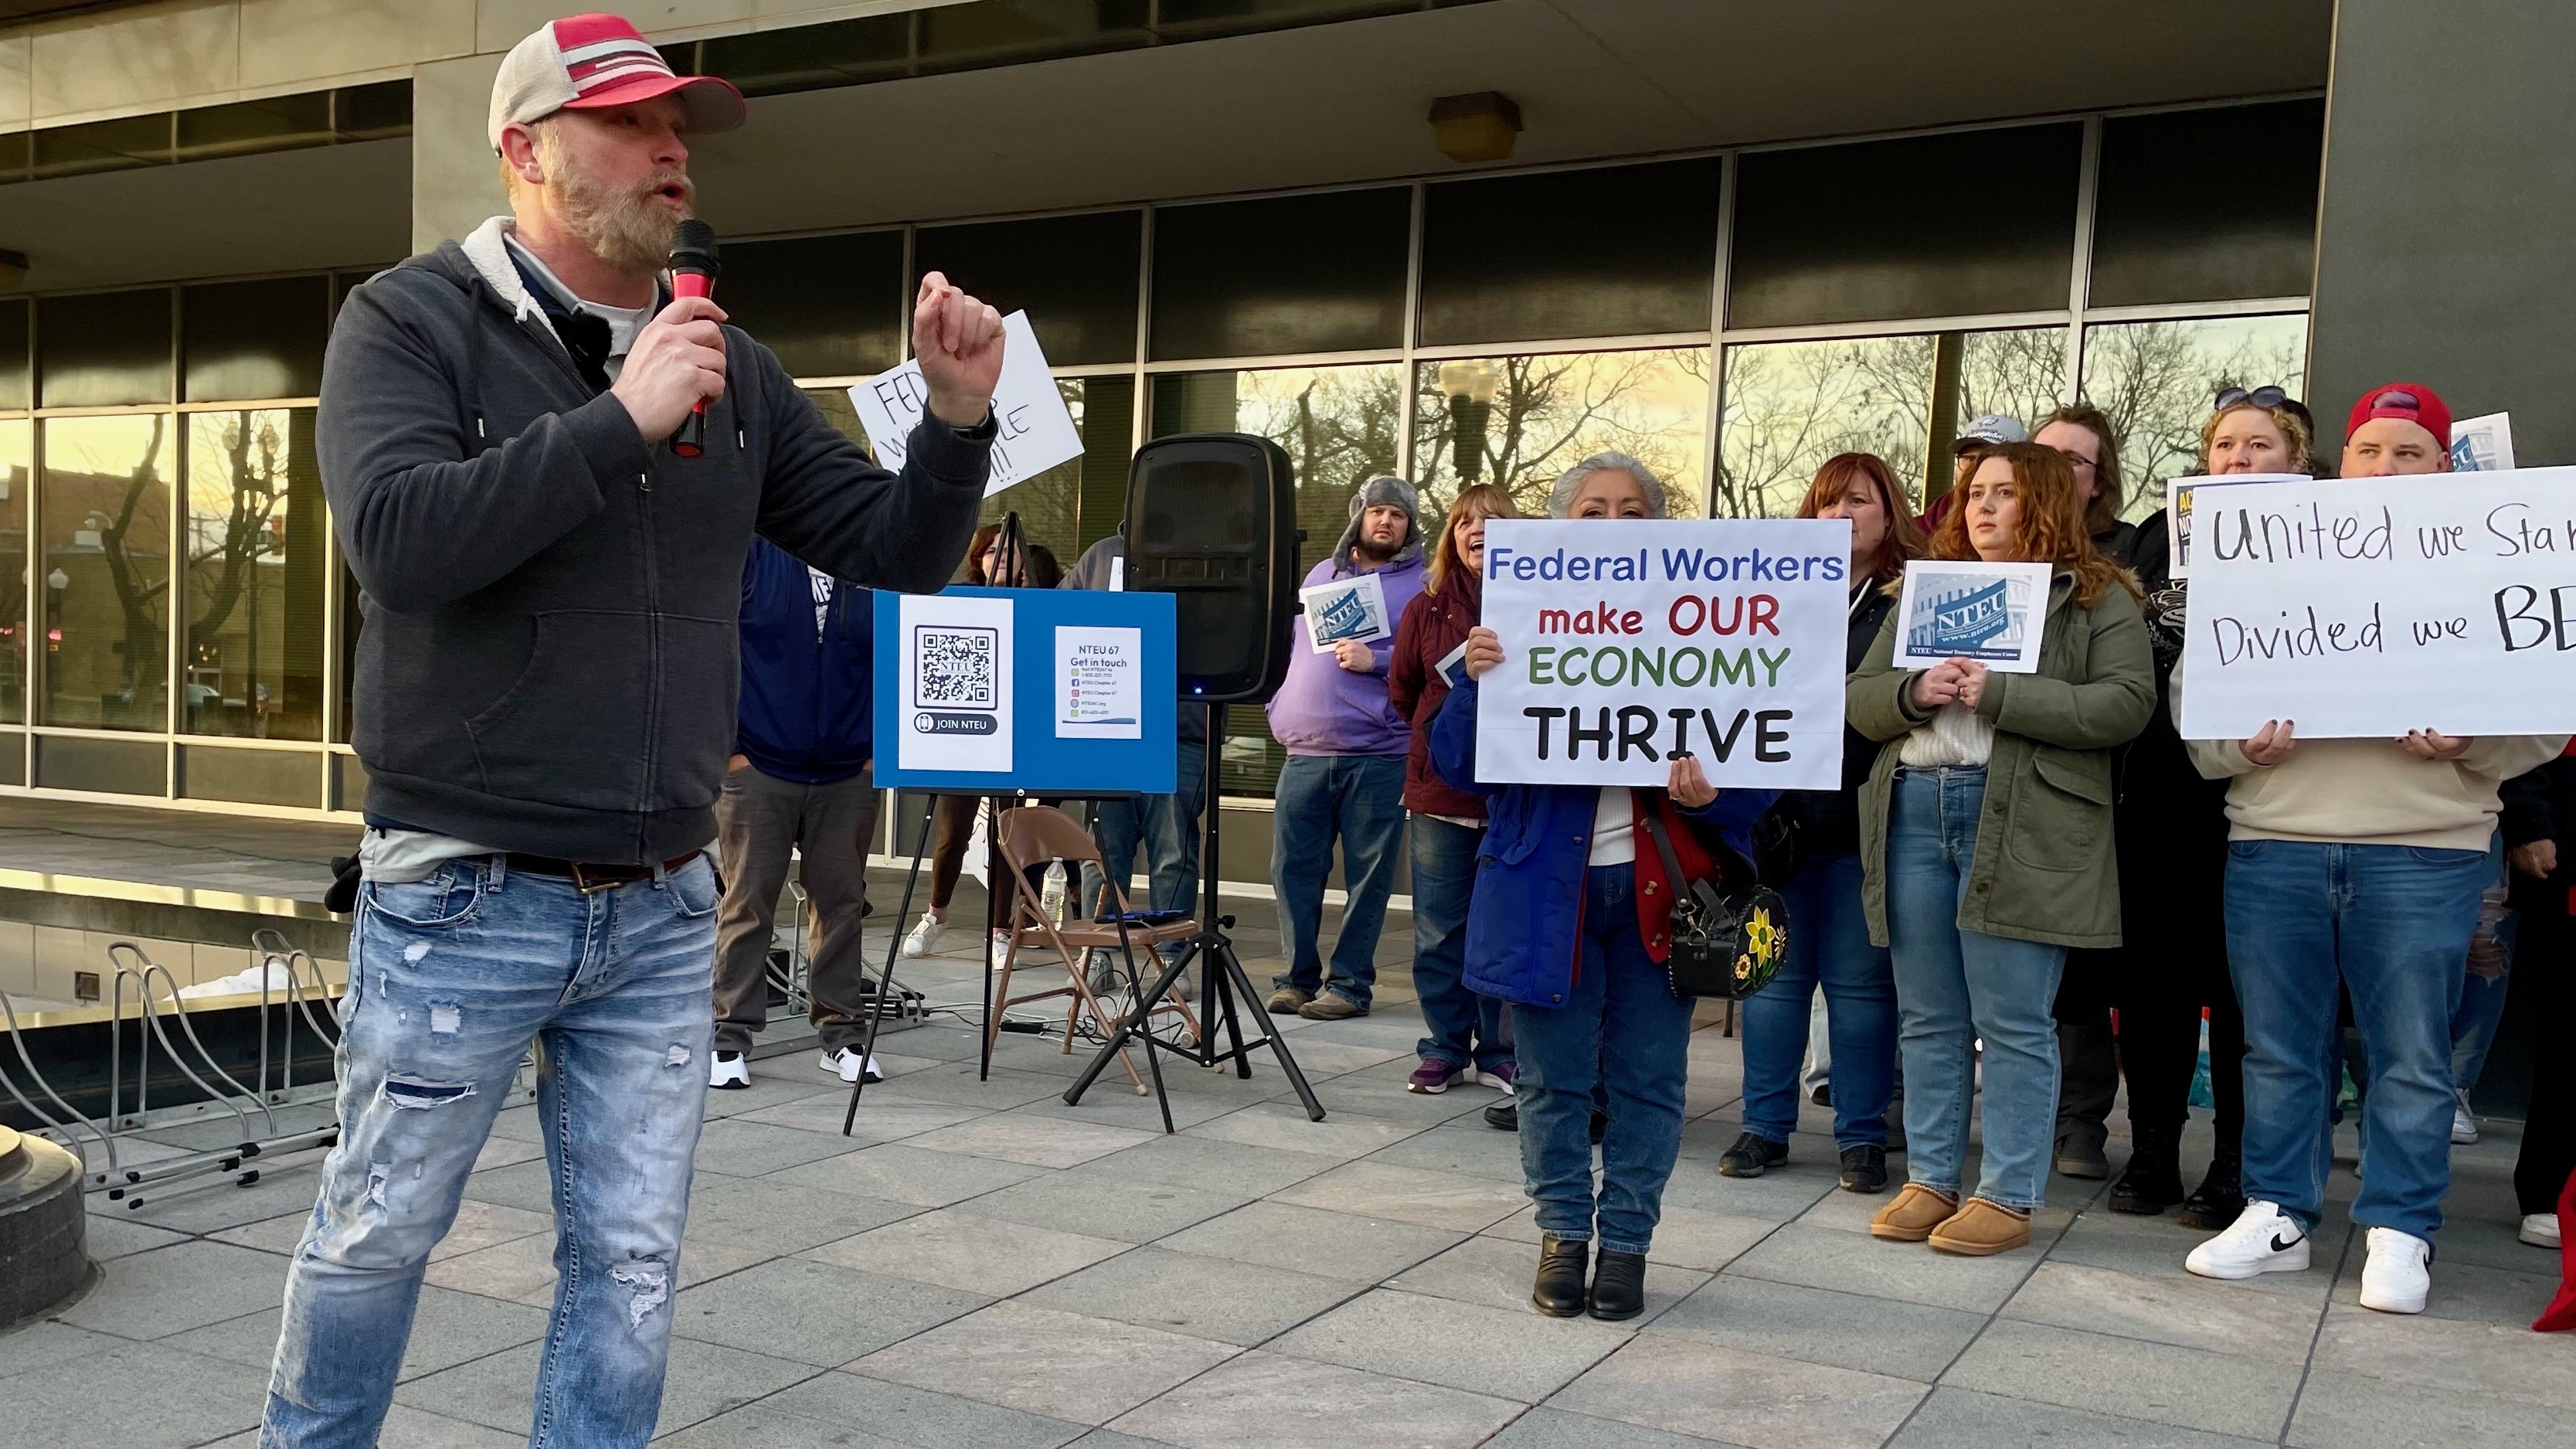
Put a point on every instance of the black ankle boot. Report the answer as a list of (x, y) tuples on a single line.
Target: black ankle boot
[(2221, 1195), (1559, 1290), (1619, 1286), (2152, 1181)]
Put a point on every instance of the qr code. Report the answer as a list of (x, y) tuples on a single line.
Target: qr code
[(957, 668)]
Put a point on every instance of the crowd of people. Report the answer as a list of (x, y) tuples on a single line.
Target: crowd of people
[(2028, 891)]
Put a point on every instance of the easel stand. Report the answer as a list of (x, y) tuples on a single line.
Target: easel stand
[(1225, 986)]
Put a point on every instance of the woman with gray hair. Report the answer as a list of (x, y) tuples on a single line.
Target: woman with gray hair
[(1570, 921)]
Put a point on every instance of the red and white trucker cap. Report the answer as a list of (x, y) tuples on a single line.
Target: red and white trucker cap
[(584, 62)]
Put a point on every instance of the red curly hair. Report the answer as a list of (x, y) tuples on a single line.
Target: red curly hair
[(2051, 529)]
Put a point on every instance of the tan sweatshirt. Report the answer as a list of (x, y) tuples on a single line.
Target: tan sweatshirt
[(2368, 792)]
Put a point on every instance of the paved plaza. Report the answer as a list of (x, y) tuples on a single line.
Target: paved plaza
[(984, 1267)]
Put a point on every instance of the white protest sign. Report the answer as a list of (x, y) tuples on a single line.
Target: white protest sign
[(1626, 640), (1036, 431), (1993, 613), (2180, 512), (2364, 608), (1352, 608), (2482, 445), (956, 682)]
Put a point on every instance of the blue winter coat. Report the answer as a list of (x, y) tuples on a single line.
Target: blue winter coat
[(807, 708), (1524, 920)]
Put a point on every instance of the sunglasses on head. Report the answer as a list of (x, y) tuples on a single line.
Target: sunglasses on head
[(2397, 398), (2266, 396)]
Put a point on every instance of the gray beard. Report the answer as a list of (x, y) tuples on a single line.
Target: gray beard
[(632, 233)]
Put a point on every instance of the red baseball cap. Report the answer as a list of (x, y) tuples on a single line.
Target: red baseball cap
[(2412, 401), (585, 62)]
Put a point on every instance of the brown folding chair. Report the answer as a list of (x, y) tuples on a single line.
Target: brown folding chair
[(1032, 836)]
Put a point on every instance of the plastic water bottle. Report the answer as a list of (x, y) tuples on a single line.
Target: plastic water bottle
[(1051, 895)]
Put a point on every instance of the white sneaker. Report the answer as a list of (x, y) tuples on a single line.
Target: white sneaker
[(924, 936), (2397, 1277), (2540, 1230), (847, 1063), (2464, 1128), (731, 1072), (2263, 1239), (1001, 945)]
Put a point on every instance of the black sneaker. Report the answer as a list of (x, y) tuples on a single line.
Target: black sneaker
[(1504, 1116), (2152, 1181), (1752, 1155), (2080, 1156), (1865, 1169)]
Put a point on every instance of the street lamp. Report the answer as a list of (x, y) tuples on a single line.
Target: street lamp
[(1469, 384)]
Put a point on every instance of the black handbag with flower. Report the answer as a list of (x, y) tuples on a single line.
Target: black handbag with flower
[(1728, 938)]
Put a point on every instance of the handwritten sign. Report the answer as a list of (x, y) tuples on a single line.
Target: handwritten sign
[(2182, 511), (1993, 613), (1352, 608), (2369, 607), (1627, 640), (1036, 430)]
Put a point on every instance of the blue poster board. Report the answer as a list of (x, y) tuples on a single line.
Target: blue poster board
[(1046, 691)]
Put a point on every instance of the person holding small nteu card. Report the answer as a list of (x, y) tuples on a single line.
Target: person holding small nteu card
[(1986, 844)]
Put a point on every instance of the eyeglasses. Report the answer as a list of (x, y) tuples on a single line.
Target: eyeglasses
[(2266, 396), (2077, 460)]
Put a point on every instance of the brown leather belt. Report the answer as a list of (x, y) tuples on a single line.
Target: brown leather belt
[(592, 879)]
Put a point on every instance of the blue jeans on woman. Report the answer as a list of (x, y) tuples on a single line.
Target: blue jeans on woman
[(1467, 1030), (1828, 947), (2391, 923), (1621, 1028), (450, 978), (1956, 987)]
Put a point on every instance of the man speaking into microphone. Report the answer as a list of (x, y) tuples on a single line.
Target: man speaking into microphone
[(544, 705)]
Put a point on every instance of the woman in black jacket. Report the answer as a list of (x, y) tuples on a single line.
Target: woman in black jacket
[(2539, 824), (1829, 942)]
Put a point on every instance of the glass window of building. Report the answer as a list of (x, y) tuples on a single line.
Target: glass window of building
[(1923, 226), (251, 659), (253, 340), (1792, 405), (1519, 421), (1075, 276), (1050, 503), (102, 349), (1079, 501), (829, 306), (2156, 380), (17, 480), (1281, 275), (106, 561), (2171, 223), (16, 368), (1612, 251)]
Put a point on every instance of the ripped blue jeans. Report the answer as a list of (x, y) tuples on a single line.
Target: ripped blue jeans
[(450, 978)]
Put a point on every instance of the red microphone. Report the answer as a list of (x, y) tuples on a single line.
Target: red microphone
[(693, 274)]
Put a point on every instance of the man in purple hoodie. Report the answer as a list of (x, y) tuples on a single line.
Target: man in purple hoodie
[(1345, 771)]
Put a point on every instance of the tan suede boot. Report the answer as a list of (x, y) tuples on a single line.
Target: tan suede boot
[(1912, 1217), (1982, 1229)]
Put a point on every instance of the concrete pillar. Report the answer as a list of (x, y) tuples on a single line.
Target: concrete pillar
[(455, 182), (2446, 243)]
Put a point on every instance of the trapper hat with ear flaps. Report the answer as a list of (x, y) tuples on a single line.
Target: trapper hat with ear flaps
[(1384, 491)]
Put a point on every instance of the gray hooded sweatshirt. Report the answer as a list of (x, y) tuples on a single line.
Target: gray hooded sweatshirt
[(548, 658)]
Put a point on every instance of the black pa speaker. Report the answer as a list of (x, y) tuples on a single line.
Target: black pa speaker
[(1212, 520)]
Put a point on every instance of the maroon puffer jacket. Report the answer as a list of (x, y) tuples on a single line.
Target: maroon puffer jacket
[(1433, 624)]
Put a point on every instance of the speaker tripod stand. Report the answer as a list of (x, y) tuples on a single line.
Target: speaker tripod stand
[(1227, 985)]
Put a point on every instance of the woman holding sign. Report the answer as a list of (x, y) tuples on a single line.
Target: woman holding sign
[(1571, 924), (1986, 841)]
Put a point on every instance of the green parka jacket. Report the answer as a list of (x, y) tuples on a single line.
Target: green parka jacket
[(2044, 869)]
